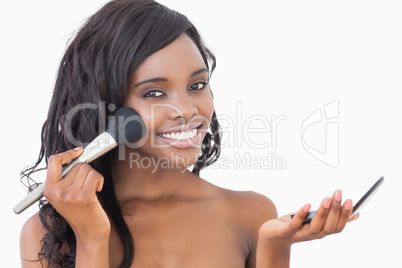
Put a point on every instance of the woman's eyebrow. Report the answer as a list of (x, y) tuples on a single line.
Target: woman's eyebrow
[(199, 71), (152, 80), (163, 79)]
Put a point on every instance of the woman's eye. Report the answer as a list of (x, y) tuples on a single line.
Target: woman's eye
[(198, 86), (153, 94)]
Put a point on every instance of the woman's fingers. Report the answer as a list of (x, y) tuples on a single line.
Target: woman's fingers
[(80, 174), (320, 217), (355, 217), (333, 217), (82, 181), (93, 182), (55, 165), (346, 211), (80, 184), (297, 220), (330, 218), (56, 162), (74, 197)]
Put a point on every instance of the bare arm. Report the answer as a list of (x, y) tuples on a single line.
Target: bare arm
[(31, 235), (75, 199), (277, 236), (89, 253), (92, 253), (260, 210)]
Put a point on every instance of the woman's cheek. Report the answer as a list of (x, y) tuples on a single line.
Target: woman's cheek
[(207, 108)]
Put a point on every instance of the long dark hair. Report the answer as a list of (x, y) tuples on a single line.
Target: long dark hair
[(96, 69)]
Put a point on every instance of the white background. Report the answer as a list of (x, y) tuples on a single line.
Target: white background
[(274, 58)]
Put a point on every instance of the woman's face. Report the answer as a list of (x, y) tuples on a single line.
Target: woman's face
[(170, 91)]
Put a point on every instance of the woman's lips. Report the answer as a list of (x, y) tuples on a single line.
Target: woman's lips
[(189, 137), (183, 127)]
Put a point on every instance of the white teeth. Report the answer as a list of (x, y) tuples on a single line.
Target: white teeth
[(181, 135)]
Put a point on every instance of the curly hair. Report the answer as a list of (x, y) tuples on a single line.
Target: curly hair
[(96, 68)]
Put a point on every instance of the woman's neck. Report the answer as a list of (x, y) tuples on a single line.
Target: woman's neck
[(151, 183)]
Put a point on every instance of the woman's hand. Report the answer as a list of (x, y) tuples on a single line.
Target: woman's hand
[(74, 197), (276, 236)]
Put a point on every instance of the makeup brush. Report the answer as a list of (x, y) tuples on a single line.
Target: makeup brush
[(126, 126)]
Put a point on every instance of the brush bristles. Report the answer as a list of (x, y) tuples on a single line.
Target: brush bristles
[(126, 126)]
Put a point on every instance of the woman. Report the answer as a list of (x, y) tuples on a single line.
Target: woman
[(139, 206)]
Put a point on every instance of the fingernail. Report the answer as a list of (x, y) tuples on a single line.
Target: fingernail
[(348, 204), (78, 148), (326, 203), (338, 195), (306, 207)]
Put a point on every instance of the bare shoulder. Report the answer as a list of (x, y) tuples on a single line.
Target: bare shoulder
[(30, 241), (250, 205), (245, 212), (245, 206)]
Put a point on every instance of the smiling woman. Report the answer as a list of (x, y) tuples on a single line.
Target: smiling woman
[(172, 95), (114, 213)]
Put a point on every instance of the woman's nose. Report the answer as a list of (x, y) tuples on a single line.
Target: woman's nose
[(183, 107)]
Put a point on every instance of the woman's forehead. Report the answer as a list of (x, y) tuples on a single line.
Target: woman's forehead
[(181, 56)]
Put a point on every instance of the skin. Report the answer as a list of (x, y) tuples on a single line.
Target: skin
[(176, 218)]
